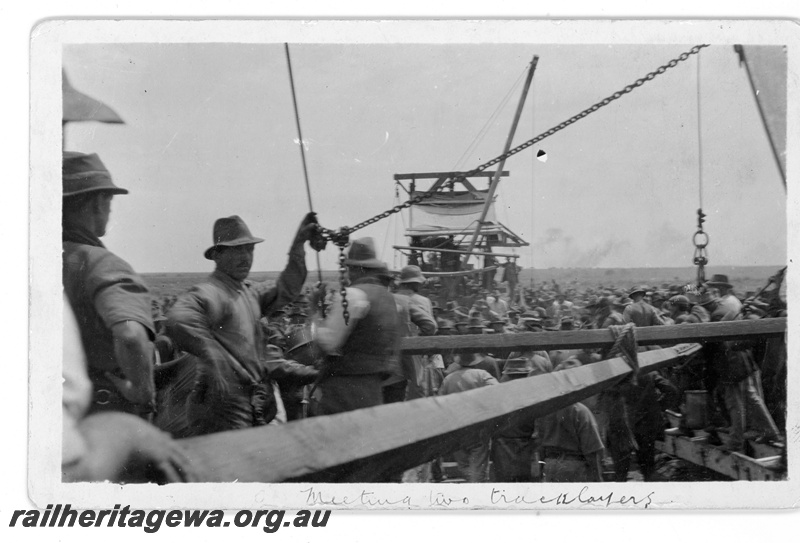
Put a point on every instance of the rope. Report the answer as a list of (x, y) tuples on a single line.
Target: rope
[(700, 238), (625, 346), (485, 128), (699, 137)]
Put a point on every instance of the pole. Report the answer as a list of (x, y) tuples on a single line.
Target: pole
[(496, 177), (302, 149), (743, 60)]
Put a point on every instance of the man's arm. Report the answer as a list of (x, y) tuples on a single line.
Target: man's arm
[(424, 321), (134, 353), (331, 333), (290, 372), (291, 281), (189, 323)]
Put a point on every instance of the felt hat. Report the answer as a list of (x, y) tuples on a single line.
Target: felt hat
[(623, 302), (719, 280), (411, 274), (529, 324), (475, 322), (706, 300), (81, 174), (635, 290), (230, 232), (497, 326), (680, 300), (518, 366), (362, 254), (298, 337), (551, 325)]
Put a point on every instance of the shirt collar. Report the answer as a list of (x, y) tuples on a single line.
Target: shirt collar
[(77, 233), (228, 281)]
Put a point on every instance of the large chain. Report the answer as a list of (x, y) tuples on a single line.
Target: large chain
[(575, 118), (700, 241), (343, 284)]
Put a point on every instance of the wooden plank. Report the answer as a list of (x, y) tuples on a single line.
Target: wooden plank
[(370, 444), (459, 273), (731, 464), (592, 339), (437, 175), (460, 251)]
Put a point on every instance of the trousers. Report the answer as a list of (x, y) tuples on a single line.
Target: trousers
[(743, 403), (473, 461)]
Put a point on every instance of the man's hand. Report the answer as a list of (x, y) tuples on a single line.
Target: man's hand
[(307, 229), (123, 448), (135, 355), (317, 296), (140, 396)]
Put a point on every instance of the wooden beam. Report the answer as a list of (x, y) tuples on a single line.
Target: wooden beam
[(731, 464), (460, 251), (450, 175), (462, 273), (592, 339), (372, 444)]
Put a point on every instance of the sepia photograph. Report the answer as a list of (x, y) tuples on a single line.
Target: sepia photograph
[(418, 265)]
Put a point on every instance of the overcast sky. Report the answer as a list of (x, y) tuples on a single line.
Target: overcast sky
[(210, 132)]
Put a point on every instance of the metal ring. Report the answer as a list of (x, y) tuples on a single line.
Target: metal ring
[(700, 245)]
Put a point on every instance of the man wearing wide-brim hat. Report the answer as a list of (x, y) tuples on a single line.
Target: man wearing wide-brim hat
[(363, 346), (217, 322), (110, 300), (424, 374), (639, 311), (473, 457), (726, 303)]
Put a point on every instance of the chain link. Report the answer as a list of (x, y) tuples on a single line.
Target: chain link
[(343, 283), (602, 103)]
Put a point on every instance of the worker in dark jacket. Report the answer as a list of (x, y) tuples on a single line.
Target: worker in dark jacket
[(110, 300), (366, 344), (218, 323)]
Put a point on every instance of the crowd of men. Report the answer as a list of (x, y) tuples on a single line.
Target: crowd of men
[(253, 354)]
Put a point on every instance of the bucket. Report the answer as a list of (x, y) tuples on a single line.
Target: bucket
[(696, 409)]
